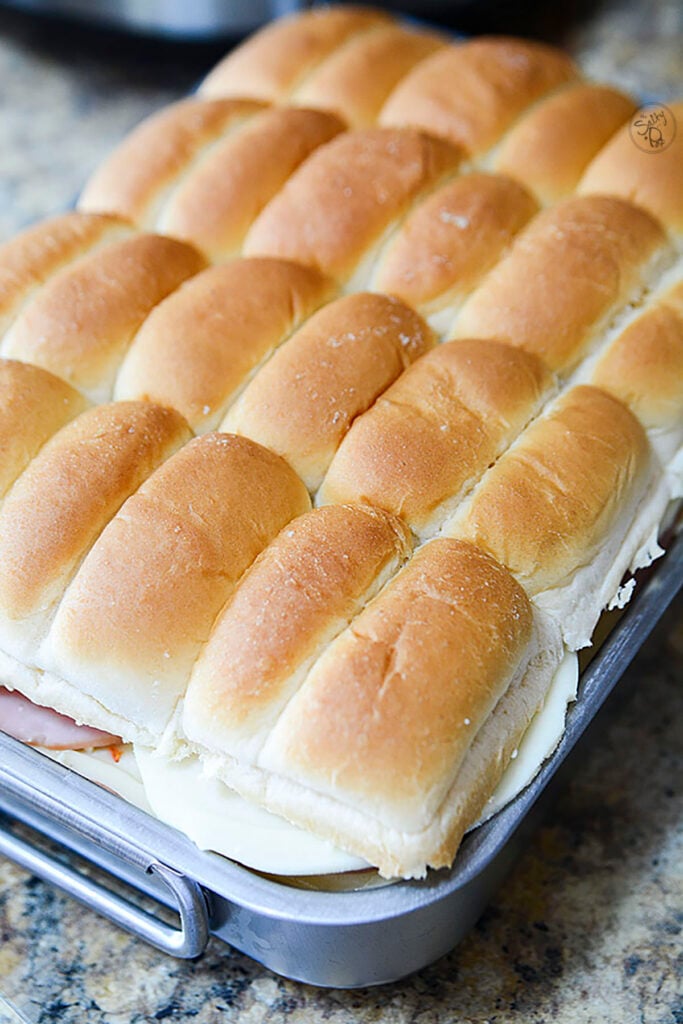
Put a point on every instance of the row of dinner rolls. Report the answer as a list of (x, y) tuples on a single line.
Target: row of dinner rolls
[(114, 320), (186, 595), (200, 169)]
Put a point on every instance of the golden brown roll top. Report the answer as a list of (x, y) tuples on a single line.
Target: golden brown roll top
[(198, 348), (643, 366), (643, 162), (34, 405), (300, 593), (220, 196), (135, 178), (426, 441), (80, 324), (566, 276), (303, 401), (386, 716), (336, 209), (134, 618), (377, 749), (272, 62), (551, 145), (36, 254), (62, 501), (471, 94), (449, 241), (562, 509), (356, 79)]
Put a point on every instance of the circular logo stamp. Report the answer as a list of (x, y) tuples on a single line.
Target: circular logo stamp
[(653, 128)]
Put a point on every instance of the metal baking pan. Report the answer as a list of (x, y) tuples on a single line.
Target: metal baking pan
[(343, 940)]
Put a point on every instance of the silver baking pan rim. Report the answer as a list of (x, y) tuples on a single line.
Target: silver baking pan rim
[(341, 939)]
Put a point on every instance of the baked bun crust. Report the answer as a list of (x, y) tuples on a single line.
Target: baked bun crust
[(134, 180), (549, 148), (34, 405), (64, 499), (652, 179), (302, 591), (216, 203), (470, 94), (197, 349), (133, 620), (592, 255), (303, 401), (448, 242), (431, 435), (36, 254), (335, 210), (81, 323), (272, 62)]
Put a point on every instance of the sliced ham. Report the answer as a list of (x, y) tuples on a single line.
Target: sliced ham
[(43, 727)]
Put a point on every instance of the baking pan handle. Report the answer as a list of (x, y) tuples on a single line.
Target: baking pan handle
[(189, 940)]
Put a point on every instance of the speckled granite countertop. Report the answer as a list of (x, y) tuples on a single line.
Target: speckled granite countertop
[(589, 926)]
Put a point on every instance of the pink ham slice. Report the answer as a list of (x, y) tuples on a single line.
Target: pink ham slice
[(43, 727)]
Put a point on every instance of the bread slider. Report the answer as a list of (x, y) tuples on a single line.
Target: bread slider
[(426, 441), (448, 242), (391, 743), (303, 401), (566, 277), (470, 94), (30, 259), (643, 367), (551, 144), (201, 170), (198, 349), (270, 64), (337, 209), (569, 507), (80, 324), (652, 178)]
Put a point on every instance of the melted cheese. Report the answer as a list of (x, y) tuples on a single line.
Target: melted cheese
[(540, 739), (216, 818), (99, 766)]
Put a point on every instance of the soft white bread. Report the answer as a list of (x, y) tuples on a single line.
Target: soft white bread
[(34, 405), (643, 366), (300, 593), (446, 244), (356, 79), (566, 276), (62, 501), (271, 63), (136, 177), (380, 749), (551, 145), (426, 441), (336, 209), (649, 177), (303, 401), (470, 94), (133, 620), (557, 509), (197, 349), (81, 322), (216, 202), (33, 256)]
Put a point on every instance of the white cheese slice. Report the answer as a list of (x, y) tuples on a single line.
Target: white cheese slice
[(216, 818), (99, 766), (541, 738)]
